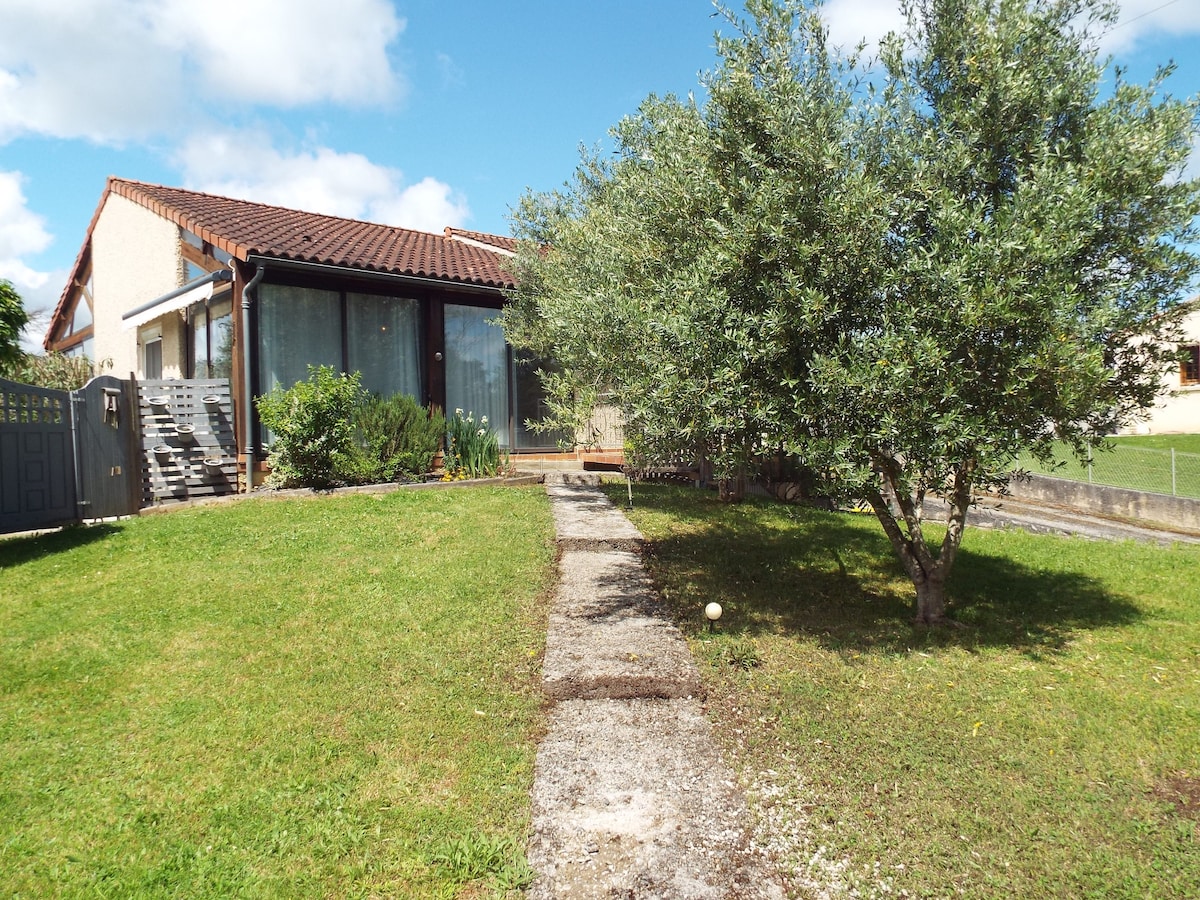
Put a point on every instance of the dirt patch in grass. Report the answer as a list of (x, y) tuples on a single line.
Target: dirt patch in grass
[(1183, 793)]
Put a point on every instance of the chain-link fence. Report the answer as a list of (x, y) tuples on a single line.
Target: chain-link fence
[(1136, 468)]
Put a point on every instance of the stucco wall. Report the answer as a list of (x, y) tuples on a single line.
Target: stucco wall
[(1177, 410), (135, 258)]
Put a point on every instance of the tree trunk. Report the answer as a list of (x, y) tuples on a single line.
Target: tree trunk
[(732, 490), (931, 599), (927, 571)]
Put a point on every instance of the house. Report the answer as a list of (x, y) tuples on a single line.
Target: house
[(1177, 408), (178, 284)]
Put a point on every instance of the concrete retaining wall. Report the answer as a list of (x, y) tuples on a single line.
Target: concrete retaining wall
[(1101, 500)]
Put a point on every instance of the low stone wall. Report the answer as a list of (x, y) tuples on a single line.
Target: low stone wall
[(1115, 503)]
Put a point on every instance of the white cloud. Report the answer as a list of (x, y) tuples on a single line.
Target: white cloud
[(286, 52), (1139, 19), (851, 21), (83, 69), (428, 205), (39, 302), (245, 164), (1192, 169), (116, 70), (23, 233), (451, 72)]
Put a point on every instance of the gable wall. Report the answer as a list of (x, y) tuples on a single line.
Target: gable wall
[(1177, 410), (135, 258)]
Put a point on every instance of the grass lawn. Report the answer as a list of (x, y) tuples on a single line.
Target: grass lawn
[(1051, 748), (1136, 462), (1180, 443), (334, 696)]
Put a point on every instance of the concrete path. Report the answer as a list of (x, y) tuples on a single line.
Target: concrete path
[(631, 798)]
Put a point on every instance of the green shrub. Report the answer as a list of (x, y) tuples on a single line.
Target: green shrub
[(53, 370), (395, 439), (312, 428), (472, 450)]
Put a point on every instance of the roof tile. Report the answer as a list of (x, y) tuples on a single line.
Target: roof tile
[(242, 228)]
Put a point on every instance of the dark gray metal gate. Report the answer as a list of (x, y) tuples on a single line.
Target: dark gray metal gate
[(65, 457), (107, 447), (37, 458)]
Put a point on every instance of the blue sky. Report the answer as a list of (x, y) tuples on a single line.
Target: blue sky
[(422, 113)]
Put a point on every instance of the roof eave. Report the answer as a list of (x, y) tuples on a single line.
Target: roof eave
[(289, 263)]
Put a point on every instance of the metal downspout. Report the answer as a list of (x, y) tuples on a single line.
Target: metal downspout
[(248, 399)]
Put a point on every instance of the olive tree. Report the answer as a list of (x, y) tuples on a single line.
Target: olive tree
[(906, 279)]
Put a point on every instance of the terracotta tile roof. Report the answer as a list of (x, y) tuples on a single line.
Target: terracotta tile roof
[(242, 228)]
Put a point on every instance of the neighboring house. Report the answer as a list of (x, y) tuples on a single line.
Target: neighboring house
[(172, 283), (1177, 409)]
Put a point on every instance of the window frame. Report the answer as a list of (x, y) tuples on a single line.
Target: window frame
[(67, 338), (146, 338), (1189, 367)]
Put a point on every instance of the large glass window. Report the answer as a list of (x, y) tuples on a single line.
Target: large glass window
[(530, 404), (86, 348), (383, 343), (212, 340), (83, 314), (477, 366), (220, 329), (199, 361), (298, 328)]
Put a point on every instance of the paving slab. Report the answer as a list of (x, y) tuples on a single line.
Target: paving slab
[(583, 513), (631, 799), (608, 636)]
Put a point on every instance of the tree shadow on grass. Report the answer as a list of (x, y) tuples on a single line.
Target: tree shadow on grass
[(834, 576), (17, 550)]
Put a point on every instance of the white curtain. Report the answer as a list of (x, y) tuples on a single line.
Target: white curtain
[(297, 328), (477, 366), (383, 344)]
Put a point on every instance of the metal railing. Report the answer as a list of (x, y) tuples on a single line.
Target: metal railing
[(1169, 472)]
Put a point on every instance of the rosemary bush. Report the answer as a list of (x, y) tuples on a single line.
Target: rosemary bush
[(395, 439)]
